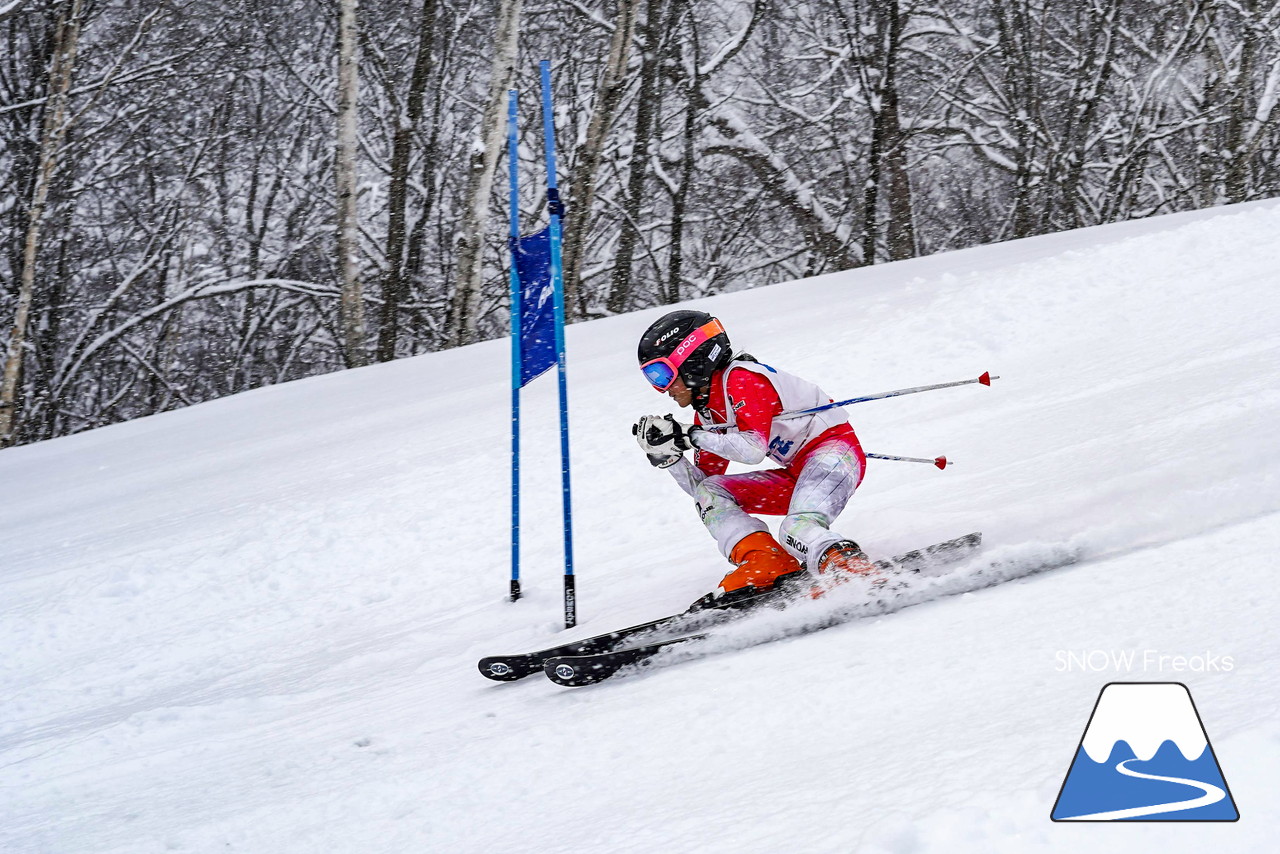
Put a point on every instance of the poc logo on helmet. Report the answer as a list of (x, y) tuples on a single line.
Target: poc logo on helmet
[(685, 345)]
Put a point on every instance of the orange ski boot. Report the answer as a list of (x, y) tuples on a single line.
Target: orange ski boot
[(841, 562), (846, 556), (761, 564)]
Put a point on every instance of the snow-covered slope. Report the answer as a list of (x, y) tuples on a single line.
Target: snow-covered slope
[(252, 625)]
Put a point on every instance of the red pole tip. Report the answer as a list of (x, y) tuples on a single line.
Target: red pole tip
[(985, 379), (940, 462)]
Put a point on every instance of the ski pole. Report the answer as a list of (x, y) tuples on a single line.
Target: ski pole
[(940, 462), (985, 379)]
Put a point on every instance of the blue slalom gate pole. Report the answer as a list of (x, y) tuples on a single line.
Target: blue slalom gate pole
[(513, 159), (557, 281)]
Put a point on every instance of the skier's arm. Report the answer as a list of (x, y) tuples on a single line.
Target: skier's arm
[(748, 448), (754, 402), (705, 464), (664, 440)]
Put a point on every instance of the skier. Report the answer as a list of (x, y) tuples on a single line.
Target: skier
[(738, 401)]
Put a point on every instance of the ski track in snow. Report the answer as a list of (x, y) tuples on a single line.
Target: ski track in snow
[(252, 625)]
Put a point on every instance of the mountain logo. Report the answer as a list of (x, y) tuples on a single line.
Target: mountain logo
[(1145, 756)]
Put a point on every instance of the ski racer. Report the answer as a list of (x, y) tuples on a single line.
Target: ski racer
[(740, 404)]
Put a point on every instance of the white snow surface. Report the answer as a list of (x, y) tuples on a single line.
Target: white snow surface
[(253, 625)]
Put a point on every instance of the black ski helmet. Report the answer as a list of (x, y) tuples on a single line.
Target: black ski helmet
[(668, 332)]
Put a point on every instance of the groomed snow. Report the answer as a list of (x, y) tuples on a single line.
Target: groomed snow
[(252, 625)]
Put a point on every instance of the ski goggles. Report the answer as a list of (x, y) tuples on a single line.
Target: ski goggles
[(662, 372)]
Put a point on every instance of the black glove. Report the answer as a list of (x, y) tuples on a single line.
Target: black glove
[(662, 438)]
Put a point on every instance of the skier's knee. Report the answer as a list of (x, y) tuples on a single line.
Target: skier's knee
[(712, 491), (714, 503)]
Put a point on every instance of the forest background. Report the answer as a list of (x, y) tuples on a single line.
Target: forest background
[(199, 197)]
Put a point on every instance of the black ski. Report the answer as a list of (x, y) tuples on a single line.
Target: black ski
[(509, 668), (573, 671), (938, 554), (577, 670)]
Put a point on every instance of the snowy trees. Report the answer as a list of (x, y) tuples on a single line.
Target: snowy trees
[(407, 120), (463, 322), (182, 239), (582, 186), (62, 63), (345, 169)]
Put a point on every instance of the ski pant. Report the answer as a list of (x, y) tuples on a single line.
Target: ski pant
[(809, 496)]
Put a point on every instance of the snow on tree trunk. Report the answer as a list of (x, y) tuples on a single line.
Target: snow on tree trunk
[(61, 69), (395, 291), (582, 189), (900, 234), (621, 284), (353, 322), (828, 236), (464, 304)]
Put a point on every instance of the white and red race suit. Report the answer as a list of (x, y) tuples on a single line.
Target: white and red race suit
[(821, 461)]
